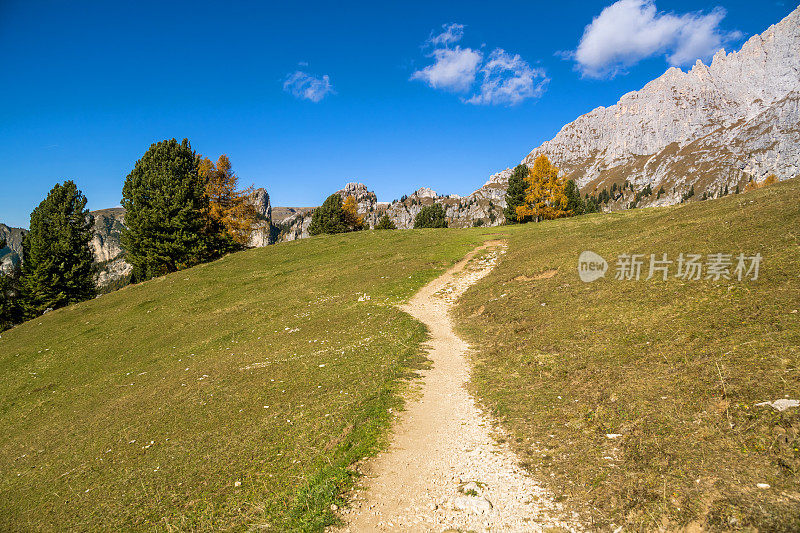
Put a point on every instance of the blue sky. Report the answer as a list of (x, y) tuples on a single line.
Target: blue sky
[(304, 97)]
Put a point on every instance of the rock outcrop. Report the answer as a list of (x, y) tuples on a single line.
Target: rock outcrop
[(106, 246), (712, 127), (262, 233), (10, 255)]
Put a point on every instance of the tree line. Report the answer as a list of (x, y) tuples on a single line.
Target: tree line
[(182, 209), (340, 216)]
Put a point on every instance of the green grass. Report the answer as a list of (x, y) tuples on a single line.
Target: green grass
[(674, 366), (142, 409)]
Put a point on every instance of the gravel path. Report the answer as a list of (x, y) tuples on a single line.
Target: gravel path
[(444, 469)]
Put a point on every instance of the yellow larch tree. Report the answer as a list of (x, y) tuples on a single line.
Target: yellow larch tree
[(351, 217), (545, 196), (228, 207)]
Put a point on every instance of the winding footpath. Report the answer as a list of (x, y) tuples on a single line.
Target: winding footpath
[(444, 469)]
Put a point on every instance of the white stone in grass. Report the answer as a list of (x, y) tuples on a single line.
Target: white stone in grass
[(763, 486), (780, 404)]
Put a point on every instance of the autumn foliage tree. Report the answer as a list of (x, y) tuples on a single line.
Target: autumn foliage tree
[(230, 213), (350, 215), (545, 196)]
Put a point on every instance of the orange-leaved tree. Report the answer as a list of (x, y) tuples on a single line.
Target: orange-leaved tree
[(545, 196), (229, 210), (351, 217)]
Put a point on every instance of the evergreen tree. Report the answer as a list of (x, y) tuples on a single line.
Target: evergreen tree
[(56, 259), (385, 223), (515, 194), (329, 217), (431, 216), (575, 203), (166, 221), (591, 205)]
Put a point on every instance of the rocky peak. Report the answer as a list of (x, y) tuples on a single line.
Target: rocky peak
[(259, 198), (424, 192), (704, 127), (359, 191)]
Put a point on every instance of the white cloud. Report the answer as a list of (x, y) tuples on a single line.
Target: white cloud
[(451, 69), (452, 34), (508, 80), (303, 85), (631, 30)]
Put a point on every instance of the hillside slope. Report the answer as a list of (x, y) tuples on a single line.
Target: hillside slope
[(637, 400), (273, 369)]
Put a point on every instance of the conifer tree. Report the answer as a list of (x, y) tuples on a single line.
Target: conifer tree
[(515, 194), (431, 216), (56, 258), (166, 219), (544, 195), (385, 223), (575, 204), (329, 217)]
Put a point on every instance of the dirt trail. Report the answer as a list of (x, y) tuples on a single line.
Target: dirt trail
[(444, 469)]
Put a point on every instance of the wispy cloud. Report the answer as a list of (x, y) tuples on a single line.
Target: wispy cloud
[(303, 85), (506, 79), (452, 34), (628, 31)]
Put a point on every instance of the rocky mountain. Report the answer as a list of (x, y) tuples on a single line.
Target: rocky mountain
[(714, 127), (13, 250), (484, 205)]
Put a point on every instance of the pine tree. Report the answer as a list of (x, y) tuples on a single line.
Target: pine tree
[(385, 223), (231, 216), (431, 216), (329, 217), (544, 195), (515, 194), (56, 258), (575, 204), (166, 221)]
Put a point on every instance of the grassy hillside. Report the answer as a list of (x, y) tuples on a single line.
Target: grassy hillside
[(674, 367), (225, 396)]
